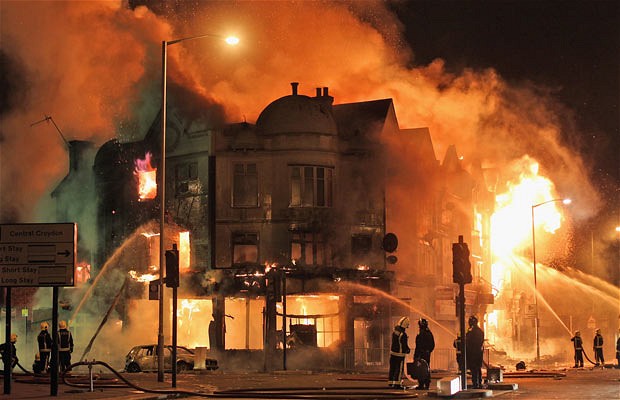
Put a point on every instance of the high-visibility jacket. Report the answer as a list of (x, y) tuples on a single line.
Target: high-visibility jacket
[(45, 342), (577, 343), (598, 341), (400, 342), (65, 340)]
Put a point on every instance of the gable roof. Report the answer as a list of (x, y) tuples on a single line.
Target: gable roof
[(355, 119)]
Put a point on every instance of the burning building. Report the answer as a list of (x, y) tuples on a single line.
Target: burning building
[(301, 204)]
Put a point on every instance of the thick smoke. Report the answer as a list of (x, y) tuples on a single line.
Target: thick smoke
[(98, 74), (96, 68)]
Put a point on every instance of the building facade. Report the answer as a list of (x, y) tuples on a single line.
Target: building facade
[(282, 227)]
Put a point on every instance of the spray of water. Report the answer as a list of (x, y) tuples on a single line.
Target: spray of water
[(396, 300), (112, 261)]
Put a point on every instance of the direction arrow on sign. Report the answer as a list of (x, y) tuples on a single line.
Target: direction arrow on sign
[(37, 254)]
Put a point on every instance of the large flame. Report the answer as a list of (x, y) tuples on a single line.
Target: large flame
[(511, 223), (528, 205), (147, 178)]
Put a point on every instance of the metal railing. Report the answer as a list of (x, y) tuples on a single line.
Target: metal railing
[(378, 358)]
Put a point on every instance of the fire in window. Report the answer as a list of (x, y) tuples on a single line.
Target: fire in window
[(147, 178), (309, 248)]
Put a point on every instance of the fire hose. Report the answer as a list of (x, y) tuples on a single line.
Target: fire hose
[(588, 358), (337, 393)]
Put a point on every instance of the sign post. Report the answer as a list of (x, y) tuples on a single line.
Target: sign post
[(38, 255)]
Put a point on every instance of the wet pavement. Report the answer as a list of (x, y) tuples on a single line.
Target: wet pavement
[(588, 383)]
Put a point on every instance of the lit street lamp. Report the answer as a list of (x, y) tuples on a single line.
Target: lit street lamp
[(231, 40), (536, 322)]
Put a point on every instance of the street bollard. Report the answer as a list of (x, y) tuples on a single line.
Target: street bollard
[(90, 373)]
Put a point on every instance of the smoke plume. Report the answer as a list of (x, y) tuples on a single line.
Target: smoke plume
[(98, 74)]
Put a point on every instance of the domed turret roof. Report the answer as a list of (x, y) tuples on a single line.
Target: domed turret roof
[(298, 114)]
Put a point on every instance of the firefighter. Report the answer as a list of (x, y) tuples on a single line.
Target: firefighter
[(598, 348), (459, 356), (65, 346), (424, 346), (44, 339), (10, 354), (578, 345), (474, 348), (37, 366), (398, 351)]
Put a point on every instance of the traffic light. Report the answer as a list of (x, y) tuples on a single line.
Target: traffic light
[(461, 267), (172, 267)]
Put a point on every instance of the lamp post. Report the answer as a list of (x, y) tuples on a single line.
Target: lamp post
[(536, 322), (231, 40)]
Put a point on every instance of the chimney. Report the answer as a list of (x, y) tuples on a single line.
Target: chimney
[(323, 94), (294, 86), (79, 153)]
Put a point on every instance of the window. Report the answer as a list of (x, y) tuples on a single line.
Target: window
[(245, 248), (360, 245), (245, 185), (308, 248), (186, 179), (311, 186)]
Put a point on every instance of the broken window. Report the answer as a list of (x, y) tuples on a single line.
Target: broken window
[(309, 248), (245, 185), (245, 248), (311, 186), (186, 179)]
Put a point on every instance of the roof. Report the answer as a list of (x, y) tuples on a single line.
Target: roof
[(359, 119), (298, 114)]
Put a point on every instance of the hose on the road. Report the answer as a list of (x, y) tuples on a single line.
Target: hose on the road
[(324, 393), (588, 358)]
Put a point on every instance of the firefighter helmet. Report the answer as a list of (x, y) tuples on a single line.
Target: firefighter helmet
[(62, 324), (577, 333), (598, 331), (13, 337), (422, 323), (473, 321), (404, 322), (44, 326)]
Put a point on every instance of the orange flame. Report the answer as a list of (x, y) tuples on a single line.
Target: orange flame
[(142, 278), (82, 272), (511, 223), (147, 178)]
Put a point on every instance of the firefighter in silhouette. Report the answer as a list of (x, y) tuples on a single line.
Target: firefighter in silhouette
[(598, 348), (398, 351), (37, 366), (424, 346), (44, 339), (9, 354), (578, 345), (457, 346), (65, 346), (474, 348)]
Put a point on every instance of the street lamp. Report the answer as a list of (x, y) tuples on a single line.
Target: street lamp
[(231, 40), (536, 322)]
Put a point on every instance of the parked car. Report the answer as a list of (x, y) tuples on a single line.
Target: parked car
[(144, 358)]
